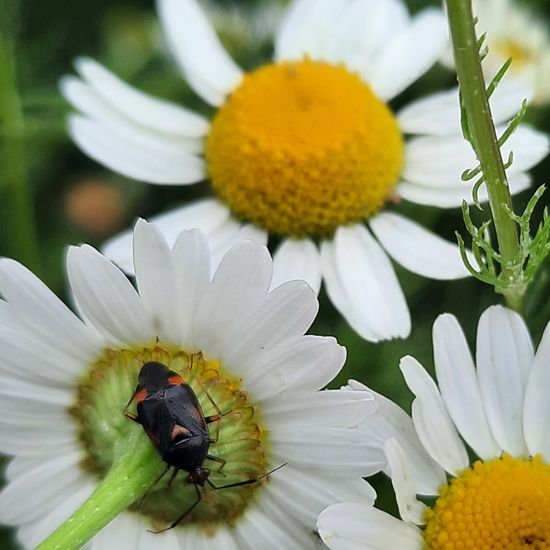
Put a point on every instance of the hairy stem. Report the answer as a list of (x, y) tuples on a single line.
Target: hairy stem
[(484, 138)]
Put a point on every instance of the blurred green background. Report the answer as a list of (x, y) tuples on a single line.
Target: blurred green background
[(74, 200)]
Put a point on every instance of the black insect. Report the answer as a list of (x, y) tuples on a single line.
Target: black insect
[(172, 417)]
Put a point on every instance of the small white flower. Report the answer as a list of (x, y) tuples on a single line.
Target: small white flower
[(498, 411), (514, 31), (65, 381), (305, 148)]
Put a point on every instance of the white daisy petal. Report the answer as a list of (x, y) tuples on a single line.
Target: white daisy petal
[(206, 215), (141, 108), (230, 233), (536, 408), (301, 363), (315, 496), (29, 360), (286, 312), (31, 534), (258, 529), (39, 400), (297, 259), (390, 421), (459, 388), (410, 509), (156, 281), (350, 526), (439, 114), (37, 308), (49, 482), (33, 439), (275, 509), (106, 298), (86, 100), (322, 448), (331, 407), (362, 284), (431, 420), (439, 161), (241, 281), (205, 63), (418, 249), (192, 268), (222, 539), (360, 35), (452, 197), (159, 161), (409, 54), (307, 29), (123, 533), (504, 357)]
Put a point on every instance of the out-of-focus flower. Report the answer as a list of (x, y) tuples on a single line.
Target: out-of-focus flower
[(65, 382), (514, 31), (306, 148), (498, 411), (95, 206)]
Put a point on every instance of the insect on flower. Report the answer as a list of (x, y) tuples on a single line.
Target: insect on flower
[(171, 415)]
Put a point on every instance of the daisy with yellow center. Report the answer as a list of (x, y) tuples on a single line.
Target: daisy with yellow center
[(498, 411), (306, 148), (67, 379)]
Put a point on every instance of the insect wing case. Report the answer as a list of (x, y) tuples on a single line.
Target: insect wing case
[(174, 421)]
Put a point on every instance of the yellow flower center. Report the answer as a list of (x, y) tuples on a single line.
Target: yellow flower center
[(301, 148), (521, 55), (241, 442), (503, 504)]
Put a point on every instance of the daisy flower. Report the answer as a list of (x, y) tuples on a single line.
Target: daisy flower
[(305, 149), (498, 412), (66, 380), (514, 31)]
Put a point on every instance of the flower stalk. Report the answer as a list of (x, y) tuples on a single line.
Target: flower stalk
[(136, 466), (482, 135), (20, 212)]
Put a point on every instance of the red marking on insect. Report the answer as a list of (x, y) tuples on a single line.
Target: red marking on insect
[(176, 379)]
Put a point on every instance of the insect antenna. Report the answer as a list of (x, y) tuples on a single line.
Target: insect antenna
[(246, 481)]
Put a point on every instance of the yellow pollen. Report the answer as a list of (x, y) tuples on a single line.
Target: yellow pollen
[(301, 148), (503, 504)]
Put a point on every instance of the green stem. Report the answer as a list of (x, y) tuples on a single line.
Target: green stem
[(136, 467), (484, 138), (20, 212)]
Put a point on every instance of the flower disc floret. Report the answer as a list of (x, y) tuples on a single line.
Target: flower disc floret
[(102, 395), (303, 147), (502, 504)]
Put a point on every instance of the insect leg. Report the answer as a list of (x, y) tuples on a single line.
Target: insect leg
[(128, 414), (152, 486), (182, 517), (173, 476), (219, 460), (214, 417)]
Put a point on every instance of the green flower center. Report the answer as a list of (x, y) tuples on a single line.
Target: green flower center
[(99, 411)]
